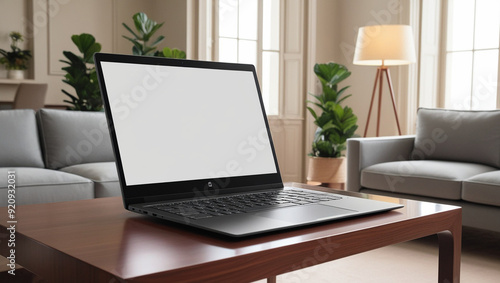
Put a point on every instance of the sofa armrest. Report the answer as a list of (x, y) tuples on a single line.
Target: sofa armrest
[(363, 152)]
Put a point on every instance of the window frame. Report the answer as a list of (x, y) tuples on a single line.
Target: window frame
[(443, 63), (258, 67)]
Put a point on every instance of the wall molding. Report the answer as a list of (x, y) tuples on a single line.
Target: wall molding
[(408, 75)]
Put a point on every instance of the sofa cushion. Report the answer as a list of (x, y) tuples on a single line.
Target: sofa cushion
[(103, 174), (467, 136), (74, 137), (483, 188), (38, 185), (20, 146), (432, 178)]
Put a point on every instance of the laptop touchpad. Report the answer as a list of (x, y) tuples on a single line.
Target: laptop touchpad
[(305, 213)]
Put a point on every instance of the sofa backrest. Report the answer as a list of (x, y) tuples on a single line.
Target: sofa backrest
[(19, 143), (73, 137), (458, 135)]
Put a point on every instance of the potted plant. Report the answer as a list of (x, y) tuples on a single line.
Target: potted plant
[(145, 28), (81, 74), (15, 61), (335, 125)]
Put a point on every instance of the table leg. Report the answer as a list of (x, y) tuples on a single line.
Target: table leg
[(450, 245), (271, 279)]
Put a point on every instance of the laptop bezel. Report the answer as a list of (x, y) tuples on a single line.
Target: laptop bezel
[(183, 189)]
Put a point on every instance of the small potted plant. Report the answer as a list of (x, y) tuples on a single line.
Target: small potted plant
[(145, 28), (335, 125), (15, 61)]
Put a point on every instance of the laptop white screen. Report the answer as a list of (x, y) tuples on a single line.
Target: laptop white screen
[(182, 123)]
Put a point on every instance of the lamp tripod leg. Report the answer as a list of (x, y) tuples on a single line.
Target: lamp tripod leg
[(388, 75), (381, 76), (371, 102)]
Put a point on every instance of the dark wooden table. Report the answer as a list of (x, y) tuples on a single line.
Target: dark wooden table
[(99, 241)]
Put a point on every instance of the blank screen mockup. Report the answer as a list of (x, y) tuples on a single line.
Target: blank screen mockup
[(184, 123)]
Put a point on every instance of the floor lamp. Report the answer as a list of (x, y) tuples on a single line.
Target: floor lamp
[(383, 46)]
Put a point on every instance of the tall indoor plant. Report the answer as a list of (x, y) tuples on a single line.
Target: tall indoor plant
[(81, 74), (335, 125), (16, 60)]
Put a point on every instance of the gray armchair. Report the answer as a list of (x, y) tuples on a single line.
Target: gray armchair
[(454, 158)]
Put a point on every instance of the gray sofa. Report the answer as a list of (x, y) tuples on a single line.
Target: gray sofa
[(454, 158), (56, 155)]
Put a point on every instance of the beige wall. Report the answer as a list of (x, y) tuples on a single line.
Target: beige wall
[(355, 14), (324, 29), (333, 29), (49, 24), (334, 37), (330, 30), (336, 23)]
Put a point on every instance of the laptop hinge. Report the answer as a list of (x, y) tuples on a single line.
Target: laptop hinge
[(209, 193)]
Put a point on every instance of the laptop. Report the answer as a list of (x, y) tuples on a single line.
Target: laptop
[(193, 145)]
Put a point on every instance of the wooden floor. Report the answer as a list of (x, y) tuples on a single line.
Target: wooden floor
[(410, 262)]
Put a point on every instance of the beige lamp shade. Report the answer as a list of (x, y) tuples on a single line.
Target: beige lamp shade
[(385, 45)]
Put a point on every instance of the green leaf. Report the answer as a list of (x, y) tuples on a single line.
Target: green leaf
[(331, 73), (83, 41), (140, 20), (323, 149), (133, 40), (323, 119), (344, 98), (137, 45), (313, 113), (338, 110), (131, 31), (89, 54), (339, 76), (322, 107), (149, 51), (173, 53), (136, 51), (152, 29), (75, 61), (158, 40), (68, 94), (341, 91), (145, 26), (87, 45)]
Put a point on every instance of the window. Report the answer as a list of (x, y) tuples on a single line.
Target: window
[(248, 31), (472, 48)]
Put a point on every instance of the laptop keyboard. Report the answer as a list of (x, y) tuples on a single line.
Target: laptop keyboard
[(206, 208)]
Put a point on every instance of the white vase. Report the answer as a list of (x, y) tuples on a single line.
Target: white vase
[(15, 74)]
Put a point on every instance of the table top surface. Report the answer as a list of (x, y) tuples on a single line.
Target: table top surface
[(102, 233)]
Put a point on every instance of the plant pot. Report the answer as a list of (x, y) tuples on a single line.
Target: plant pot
[(327, 170), (15, 74)]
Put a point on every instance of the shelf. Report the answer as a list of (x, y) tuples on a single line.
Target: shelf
[(15, 82)]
